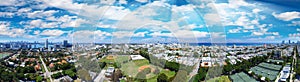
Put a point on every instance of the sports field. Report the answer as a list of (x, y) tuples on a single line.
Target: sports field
[(2, 55), (267, 70)]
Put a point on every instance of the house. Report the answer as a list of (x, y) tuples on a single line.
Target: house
[(206, 62), (136, 57), (109, 72)]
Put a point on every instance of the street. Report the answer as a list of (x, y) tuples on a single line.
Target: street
[(47, 73)]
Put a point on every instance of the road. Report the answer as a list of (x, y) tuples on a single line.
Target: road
[(294, 63), (47, 73), (100, 77)]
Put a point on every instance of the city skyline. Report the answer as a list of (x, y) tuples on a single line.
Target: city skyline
[(140, 21)]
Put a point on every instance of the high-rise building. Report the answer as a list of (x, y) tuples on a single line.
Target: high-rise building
[(282, 42), (289, 41), (46, 43), (65, 43)]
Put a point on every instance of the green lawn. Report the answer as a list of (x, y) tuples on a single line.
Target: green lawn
[(121, 59), (220, 79), (168, 73), (130, 68), (4, 54), (106, 60), (141, 62)]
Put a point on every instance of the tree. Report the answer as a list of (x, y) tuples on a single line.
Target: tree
[(181, 76), (69, 72), (141, 76), (173, 66), (156, 71), (57, 75), (268, 80), (162, 78), (117, 75), (102, 64), (39, 79), (201, 74)]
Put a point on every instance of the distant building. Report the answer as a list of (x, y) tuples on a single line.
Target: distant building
[(65, 43), (277, 54), (282, 42), (289, 41), (46, 43)]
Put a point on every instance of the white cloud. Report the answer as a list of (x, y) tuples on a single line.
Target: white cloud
[(237, 30), (55, 22), (116, 13), (122, 1), (38, 23), (41, 14), (122, 34), (159, 34), (11, 2), (294, 23), (262, 17), (287, 16), (212, 19), (52, 33), (7, 14), (108, 2), (5, 30), (91, 11), (142, 1), (88, 36), (256, 11), (257, 33), (298, 29), (140, 34), (37, 32), (294, 35)]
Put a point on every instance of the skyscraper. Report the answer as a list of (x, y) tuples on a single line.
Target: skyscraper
[(289, 41), (282, 42), (46, 43), (65, 43)]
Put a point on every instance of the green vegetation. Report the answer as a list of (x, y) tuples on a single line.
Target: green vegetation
[(168, 73), (181, 76), (84, 75), (86, 63), (141, 62), (162, 78), (244, 65), (220, 79)]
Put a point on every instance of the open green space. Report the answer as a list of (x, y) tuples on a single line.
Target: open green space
[(220, 79), (168, 73), (2, 55), (141, 62)]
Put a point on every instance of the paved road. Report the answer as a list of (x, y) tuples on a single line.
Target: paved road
[(294, 63), (47, 73), (100, 77)]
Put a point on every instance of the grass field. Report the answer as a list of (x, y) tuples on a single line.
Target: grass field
[(141, 62), (220, 79), (131, 68), (168, 73), (122, 58), (4, 55)]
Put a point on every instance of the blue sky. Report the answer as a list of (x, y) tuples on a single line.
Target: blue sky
[(141, 21)]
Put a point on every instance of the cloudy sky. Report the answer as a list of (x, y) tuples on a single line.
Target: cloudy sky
[(140, 21)]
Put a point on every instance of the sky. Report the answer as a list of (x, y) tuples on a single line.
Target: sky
[(150, 21)]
